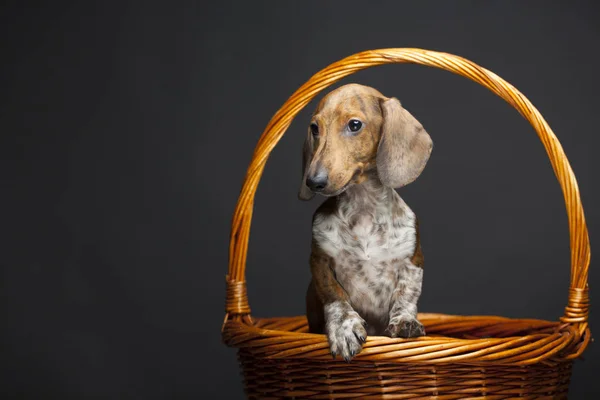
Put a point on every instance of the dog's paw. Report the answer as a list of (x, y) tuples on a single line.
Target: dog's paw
[(346, 335), (405, 327)]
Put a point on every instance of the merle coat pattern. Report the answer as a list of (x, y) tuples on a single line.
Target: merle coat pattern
[(366, 260)]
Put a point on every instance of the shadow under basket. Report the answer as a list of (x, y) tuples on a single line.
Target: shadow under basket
[(462, 357)]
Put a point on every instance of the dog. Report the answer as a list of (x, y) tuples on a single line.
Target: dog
[(366, 260)]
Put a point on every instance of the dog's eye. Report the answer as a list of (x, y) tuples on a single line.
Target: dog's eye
[(314, 129), (354, 125)]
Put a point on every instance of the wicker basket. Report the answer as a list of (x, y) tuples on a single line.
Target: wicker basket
[(475, 357)]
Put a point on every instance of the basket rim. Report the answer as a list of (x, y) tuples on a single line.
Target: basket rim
[(553, 341)]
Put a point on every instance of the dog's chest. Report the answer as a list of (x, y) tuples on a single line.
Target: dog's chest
[(369, 246)]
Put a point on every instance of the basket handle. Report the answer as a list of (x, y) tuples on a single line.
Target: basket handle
[(576, 311)]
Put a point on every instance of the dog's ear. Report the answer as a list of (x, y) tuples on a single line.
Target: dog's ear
[(404, 146), (307, 154)]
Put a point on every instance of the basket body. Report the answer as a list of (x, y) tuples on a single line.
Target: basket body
[(301, 368), (461, 357), (306, 379)]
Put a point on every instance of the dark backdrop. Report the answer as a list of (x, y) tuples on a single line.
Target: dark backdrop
[(126, 130)]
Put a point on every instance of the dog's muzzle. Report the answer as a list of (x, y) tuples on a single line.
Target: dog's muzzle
[(317, 182)]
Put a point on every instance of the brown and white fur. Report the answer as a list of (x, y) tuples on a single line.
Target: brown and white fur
[(366, 260)]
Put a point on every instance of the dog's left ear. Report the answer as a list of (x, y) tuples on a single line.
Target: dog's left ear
[(307, 154), (404, 146)]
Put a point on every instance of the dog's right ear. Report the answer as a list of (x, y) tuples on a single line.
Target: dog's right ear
[(307, 154)]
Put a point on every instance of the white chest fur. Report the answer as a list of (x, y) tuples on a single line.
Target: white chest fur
[(370, 236)]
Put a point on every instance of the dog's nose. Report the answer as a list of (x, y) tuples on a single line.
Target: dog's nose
[(318, 181)]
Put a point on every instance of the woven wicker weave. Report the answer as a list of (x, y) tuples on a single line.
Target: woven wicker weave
[(475, 357)]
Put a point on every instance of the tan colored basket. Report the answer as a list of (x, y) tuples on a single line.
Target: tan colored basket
[(475, 357)]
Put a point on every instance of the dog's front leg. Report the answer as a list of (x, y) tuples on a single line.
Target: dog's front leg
[(345, 329), (403, 310)]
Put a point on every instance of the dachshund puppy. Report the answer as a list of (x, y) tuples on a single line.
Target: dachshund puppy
[(366, 260)]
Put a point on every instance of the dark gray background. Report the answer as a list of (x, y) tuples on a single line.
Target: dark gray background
[(126, 130)]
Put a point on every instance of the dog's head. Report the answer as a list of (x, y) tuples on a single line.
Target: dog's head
[(356, 129)]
